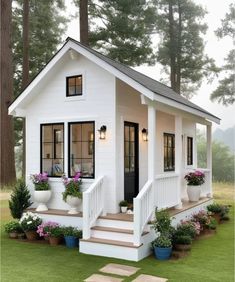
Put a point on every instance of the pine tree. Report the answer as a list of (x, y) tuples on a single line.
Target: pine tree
[(20, 199)]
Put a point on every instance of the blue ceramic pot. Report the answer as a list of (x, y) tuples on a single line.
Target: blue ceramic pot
[(71, 241), (162, 253)]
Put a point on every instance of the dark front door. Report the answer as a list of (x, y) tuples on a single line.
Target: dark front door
[(131, 161)]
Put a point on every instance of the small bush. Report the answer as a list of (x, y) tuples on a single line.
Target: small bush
[(214, 208), (20, 199), (162, 222), (162, 242), (13, 226), (56, 232), (183, 240), (123, 203), (186, 228), (72, 231)]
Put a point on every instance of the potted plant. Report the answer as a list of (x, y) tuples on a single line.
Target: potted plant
[(215, 210), (182, 243), (13, 228), (123, 205), (162, 247), (72, 236), (29, 223), (72, 194), (42, 193), (44, 229), (194, 181), (188, 228), (55, 235)]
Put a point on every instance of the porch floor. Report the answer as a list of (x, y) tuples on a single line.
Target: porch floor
[(123, 216)]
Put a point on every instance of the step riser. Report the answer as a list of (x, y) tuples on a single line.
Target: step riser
[(115, 224), (112, 235)]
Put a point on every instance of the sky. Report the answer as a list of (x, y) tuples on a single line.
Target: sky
[(215, 48)]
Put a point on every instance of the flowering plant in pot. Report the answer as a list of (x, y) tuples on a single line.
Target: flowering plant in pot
[(42, 193), (44, 229), (72, 194), (29, 223), (72, 236), (55, 234), (194, 181), (123, 205), (162, 246), (13, 228)]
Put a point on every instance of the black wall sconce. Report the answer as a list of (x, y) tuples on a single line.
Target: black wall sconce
[(145, 134), (102, 132)]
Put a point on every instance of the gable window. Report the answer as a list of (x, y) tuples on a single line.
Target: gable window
[(81, 148), (189, 151), (74, 85), (169, 152), (52, 149)]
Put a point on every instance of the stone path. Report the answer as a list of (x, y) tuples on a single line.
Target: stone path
[(122, 270)]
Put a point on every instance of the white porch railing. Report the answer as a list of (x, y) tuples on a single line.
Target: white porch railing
[(206, 186), (167, 190), (143, 209), (93, 205)]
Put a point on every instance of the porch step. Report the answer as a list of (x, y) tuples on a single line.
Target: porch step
[(111, 229), (110, 242)]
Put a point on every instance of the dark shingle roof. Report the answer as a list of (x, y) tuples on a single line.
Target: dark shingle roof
[(149, 83)]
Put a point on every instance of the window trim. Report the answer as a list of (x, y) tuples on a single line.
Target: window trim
[(189, 138), (173, 162), (41, 149), (67, 85), (69, 147)]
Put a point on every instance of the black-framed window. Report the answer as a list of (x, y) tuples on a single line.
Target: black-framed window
[(52, 149), (189, 151), (82, 149), (169, 152), (74, 85)]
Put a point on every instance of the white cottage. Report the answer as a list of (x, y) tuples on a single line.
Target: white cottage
[(147, 145)]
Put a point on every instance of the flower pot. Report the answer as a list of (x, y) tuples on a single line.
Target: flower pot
[(31, 235), (71, 241), (123, 209), (193, 192), (13, 235), (73, 202), (162, 253), (42, 197), (54, 241), (181, 247)]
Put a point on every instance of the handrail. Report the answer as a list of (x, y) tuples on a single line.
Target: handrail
[(93, 205), (143, 209)]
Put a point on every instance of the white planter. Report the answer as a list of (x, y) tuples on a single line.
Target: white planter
[(123, 209), (193, 193), (42, 197), (73, 202)]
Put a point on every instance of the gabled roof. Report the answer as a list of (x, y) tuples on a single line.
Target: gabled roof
[(152, 86)]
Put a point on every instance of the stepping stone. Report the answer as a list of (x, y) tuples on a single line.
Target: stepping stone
[(102, 278), (119, 269), (149, 278)]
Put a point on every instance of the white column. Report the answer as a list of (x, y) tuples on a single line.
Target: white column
[(178, 156), (209, 157), (152, 143)]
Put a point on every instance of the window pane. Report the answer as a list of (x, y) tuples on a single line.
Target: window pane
[(132, 133), (127, 164), (76, 132), (47, 133), (75, 166), (169, 152), (132, 149), (127, 130), (47, 150), (127, 151), (74, 85), (57, 168), (87, 167), (47, 166), (76, 150), (87, 132), (132, 164), (59, 151)]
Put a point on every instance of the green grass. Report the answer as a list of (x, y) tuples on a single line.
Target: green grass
[(211, 259)]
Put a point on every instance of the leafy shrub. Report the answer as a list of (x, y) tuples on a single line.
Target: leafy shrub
[(212, 224), (183, 240), (72, 231), (162, 242), (186, 228), (30, 221), (13, 226), (162, 222), (123, 203), (56, 232), (20, 199), (214, 208)]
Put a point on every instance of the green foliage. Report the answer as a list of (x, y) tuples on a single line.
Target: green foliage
[(123, 203), (57, 232), (185, 229), (72, 189), (181, 48), (20, 199), (183, 240), (72, 231), (13, 226), (121, 29), (162, 241), (162, 222), (214, 208), (30, 221)]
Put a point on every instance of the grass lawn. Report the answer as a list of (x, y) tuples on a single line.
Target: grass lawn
[(211, 259)]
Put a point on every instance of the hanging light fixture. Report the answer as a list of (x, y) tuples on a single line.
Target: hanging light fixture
[(145, 134), (102, 132)]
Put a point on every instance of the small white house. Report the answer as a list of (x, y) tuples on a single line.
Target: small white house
[(147, 145)]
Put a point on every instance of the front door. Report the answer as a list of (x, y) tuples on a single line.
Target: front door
[(131, 160)]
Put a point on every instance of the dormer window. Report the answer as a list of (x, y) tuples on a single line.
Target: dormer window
[(74, 86)]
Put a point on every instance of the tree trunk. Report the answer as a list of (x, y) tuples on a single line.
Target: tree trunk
[(84, 22), (172, 46), (7, 163), (25, 74), (178, 67)]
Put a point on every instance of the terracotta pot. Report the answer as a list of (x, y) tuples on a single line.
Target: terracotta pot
[(74, 202), (13, 235), (31, 235), (54, 241), (181, 247), (216, 216), (193, 192), (42, 197)]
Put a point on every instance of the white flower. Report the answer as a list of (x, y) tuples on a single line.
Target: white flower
[(29, 222)]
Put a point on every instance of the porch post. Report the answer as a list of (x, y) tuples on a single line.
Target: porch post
[(151, 143), (178, 157), (209, 158)]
